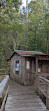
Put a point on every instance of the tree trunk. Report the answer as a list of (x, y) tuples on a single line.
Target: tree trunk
[(26, 24)]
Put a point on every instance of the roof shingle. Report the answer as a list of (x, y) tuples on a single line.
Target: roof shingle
[(26, 53), (20, 52)]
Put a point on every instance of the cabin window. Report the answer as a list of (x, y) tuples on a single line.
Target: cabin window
[(28, 65), (17, 67), (39, 69)]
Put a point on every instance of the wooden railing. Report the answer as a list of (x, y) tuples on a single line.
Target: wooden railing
[(3, 92), (45, 75), (42, 87), (3, 71)]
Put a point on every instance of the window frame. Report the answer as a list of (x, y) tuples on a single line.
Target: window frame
[(17, 67)]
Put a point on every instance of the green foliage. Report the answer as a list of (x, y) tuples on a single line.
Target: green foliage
[(13, 27), (38, 26)]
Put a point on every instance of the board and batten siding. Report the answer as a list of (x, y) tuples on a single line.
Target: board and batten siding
[(20, 78)]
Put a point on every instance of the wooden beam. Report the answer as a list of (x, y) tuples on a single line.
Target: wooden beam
[(3, 92), (40, 90), (4, 101), (43, 58), (47, 99), (36, 65)]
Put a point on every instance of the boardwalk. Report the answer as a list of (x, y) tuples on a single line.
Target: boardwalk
[(23, 98)]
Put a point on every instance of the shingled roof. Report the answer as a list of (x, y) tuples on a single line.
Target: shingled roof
[(26, 53), (23, 53)]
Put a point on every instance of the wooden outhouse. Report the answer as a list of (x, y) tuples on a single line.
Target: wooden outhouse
[(25, 65)]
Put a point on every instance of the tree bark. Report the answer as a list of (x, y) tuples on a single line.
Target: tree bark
[(26, 24)]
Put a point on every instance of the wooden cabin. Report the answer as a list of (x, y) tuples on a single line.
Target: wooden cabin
[(25, 65)]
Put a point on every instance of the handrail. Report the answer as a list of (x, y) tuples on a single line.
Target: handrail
[(3, 92), (44, 79), (4, 71), (44, 75), (41, 90), (2, 85)]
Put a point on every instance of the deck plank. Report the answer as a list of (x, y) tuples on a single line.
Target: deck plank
[(23, 98)]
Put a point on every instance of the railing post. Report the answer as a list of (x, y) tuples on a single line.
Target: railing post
[(5, 72), (4, 108), (36, 78), (36, 65), (40, 90), (38, 85), (47, 99), (35, 83), (3, 93)]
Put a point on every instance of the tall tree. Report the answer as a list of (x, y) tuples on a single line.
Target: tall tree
[(9, 28), (26, 24)]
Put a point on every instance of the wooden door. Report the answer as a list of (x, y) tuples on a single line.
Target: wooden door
[(29, 70)]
